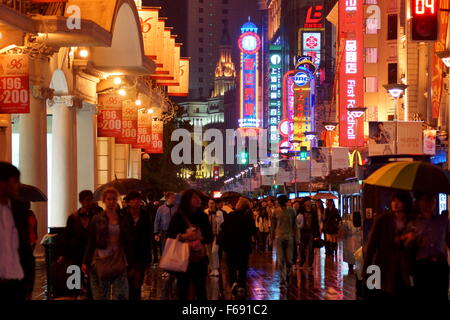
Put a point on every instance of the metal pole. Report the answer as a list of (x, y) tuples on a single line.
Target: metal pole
[(310, 169), (396, 126), (330, 160)]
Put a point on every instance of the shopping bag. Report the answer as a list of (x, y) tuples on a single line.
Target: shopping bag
[(175, 257)]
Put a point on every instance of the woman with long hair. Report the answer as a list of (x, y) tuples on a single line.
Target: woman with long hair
[(191, 224), (262, 225), (385, 249), (108, 251)]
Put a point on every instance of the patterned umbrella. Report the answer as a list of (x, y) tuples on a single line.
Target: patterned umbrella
[(412, 176)]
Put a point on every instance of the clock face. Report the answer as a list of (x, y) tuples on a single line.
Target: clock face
[(249, 42)]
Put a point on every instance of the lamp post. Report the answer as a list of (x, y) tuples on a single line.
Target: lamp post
[(396, 90), (295, 144), (357, 113), (310, 135), (330, 126)]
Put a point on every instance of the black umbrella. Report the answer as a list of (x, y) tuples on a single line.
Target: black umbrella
[(230, 194), (31, 193), (123, 186)]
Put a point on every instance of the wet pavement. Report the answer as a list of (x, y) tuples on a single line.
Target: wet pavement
[(328, 280)]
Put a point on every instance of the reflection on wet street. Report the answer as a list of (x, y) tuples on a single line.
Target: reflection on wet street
[(328, 280)]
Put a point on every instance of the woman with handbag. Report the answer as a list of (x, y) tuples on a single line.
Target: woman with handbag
[(190, 224), (331, 227), (108, 251), (309, 233)]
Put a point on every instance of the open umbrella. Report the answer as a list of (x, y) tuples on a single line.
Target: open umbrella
[(230, 194), (123, 186), (412, 176), (31, 193), (325, 195)]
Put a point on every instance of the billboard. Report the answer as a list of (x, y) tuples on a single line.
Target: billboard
[(275, 86), (351, 71), (14, 84)]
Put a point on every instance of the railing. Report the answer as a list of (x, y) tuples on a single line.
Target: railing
[(28, 7)]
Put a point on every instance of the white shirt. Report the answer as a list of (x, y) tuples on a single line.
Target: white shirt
[(10, 267)]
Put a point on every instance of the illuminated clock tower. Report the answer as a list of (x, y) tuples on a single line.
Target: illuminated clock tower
[(250, 45)]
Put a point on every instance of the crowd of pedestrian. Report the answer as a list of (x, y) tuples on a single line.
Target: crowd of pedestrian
[(115, 242)]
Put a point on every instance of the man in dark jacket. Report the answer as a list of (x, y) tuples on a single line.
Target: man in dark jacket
[(16, 254), (237, 232), (309, 230)]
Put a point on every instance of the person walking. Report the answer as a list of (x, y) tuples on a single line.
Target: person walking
[(108, 251), (263, 226), (162, 220), (215, 217), (351, 238), (429, 239), (151, 209), (309, 230), (385, 249), (284, 231), (16, 252), (331, 222), (140, 243), (237, 232), (76, 233), (192, 225)]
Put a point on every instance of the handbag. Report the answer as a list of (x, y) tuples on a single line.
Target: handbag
[(197, 250), (175, 257), (111, 266)]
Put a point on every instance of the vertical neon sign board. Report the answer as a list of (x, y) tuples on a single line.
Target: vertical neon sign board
[(249, 44), (351, 73), (275, 92)]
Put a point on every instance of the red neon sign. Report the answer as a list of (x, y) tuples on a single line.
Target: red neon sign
[(351, 81), (314, 17)]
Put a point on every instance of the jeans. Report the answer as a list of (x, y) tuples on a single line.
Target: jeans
[(213, 255), (262, 241), (135, 280), (196, 272), (114, 289), (285, 253), (306, 248), (237, 268), (431, 280)]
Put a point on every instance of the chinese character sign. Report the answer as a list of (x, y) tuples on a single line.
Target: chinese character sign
[(275, 85), (109, 119), (14, 84), (249, 44), (351, 90)]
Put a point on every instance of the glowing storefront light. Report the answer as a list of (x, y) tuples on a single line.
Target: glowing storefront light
[(275, 79)]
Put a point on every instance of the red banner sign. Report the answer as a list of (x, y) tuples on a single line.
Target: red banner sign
[(351, 73), (129, 123), (156, 144), (144, 133), (109, 119), (14, 84)]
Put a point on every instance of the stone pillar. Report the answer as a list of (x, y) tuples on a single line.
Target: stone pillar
[(86, 147), (64, 156), (5, 138)]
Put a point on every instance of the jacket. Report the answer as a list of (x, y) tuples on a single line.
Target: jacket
[(140, 237), (389, 255), (98, 237), (314, 227), (331, 221), (163, 216), (27, 260), (178, 225), (237, 232), (218, 220)]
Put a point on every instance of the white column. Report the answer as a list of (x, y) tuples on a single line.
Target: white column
[(5, 138), (64, 167), (86, 147), (135, 164), (33, 155)]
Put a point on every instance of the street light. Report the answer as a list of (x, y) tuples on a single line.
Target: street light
[(310, 135), (330, 126), (295, 143), (396, 91), (356, 113), (445, 57)]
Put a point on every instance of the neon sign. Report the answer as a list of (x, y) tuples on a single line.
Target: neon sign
[(249, 44), (427, 7), (275, 67), (314, 17), (351, 90)]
